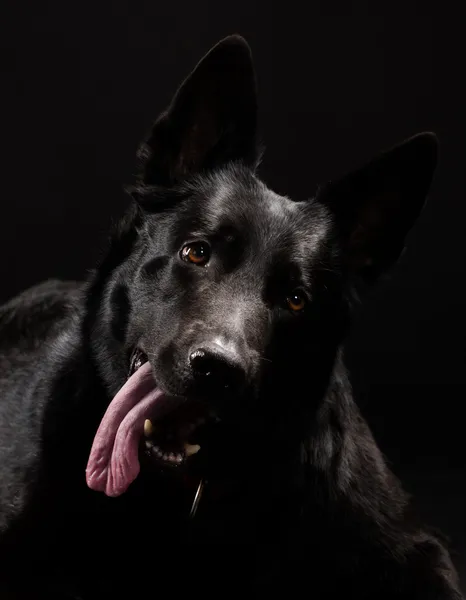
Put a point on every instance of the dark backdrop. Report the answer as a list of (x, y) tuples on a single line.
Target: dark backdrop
[(81, 82)]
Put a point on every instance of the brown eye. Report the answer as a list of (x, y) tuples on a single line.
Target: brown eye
[(197, 253), (296, 301)]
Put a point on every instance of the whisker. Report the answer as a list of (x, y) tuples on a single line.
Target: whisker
[(266, 359)]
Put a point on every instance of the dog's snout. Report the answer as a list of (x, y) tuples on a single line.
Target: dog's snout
[(216, 368)]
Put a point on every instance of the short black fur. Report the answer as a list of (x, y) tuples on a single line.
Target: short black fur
[(298, 498)]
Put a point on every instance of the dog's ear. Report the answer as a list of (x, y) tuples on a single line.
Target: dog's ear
[(211, 120), (376, 206)]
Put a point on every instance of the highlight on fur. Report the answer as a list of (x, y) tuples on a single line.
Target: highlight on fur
[(205, 352)]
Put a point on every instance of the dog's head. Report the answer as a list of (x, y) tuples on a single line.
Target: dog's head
[(223, 303)]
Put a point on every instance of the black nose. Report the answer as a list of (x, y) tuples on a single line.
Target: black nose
[(217, 369)]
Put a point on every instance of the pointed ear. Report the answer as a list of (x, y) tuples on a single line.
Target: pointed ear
[(211, 120), (376, 206)]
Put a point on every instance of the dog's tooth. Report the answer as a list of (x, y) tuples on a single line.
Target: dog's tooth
[(148, 428), (191, 449), (149, 444)]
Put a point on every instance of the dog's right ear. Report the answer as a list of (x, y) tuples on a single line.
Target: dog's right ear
[(211, 120)]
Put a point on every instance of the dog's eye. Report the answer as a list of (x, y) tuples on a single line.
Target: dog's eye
[(296, 301), (197, 253)]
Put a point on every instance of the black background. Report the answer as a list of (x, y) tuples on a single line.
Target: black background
[(81, 83)]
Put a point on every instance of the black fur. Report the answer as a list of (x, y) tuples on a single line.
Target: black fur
[(298, 496)]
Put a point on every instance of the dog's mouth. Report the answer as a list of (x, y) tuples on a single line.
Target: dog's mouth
[(177, 436), (169, 429)]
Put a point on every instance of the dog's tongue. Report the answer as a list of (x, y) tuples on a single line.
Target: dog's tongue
[(113, 462)]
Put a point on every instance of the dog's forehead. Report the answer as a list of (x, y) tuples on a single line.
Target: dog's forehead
[(258, 212)]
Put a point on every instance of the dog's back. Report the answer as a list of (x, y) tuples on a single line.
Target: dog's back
[(30, 328), (35, 316)]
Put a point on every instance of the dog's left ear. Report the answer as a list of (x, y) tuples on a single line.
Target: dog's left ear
[(375, 207), (211, 120)]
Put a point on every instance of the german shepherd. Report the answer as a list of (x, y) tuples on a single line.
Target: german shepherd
[(182, 422)]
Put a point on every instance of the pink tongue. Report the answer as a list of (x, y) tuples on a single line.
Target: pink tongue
[(113, 462)]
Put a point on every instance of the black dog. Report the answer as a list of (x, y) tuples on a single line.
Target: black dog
[(183, 423)]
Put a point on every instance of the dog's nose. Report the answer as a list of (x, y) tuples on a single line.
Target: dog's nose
[(217, 368)]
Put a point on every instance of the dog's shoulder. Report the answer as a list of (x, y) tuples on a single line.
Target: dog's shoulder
[(38, 313)]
